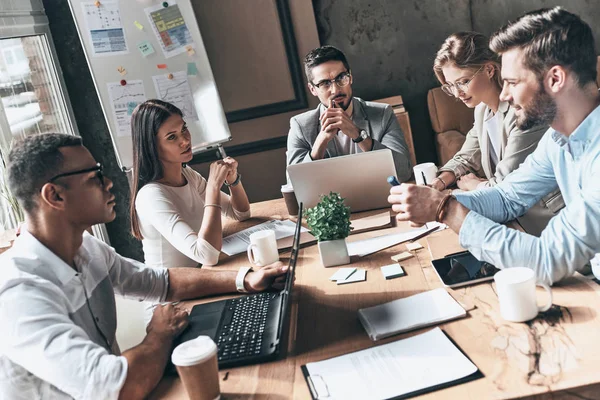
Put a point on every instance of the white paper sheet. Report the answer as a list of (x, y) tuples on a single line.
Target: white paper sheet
[(176, 91), (239, 242), (123, 100), (107, 35), (170, 29), (391, 370)]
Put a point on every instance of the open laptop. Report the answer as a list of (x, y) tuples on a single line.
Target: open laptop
[(361, 179), (248, 329)]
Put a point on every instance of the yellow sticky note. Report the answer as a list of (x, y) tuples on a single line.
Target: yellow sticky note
[(122, 71), (190, 50), (414, 246), (138, 25), (402, 256)]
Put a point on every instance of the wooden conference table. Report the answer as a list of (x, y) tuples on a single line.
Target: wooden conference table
[(555, 356)]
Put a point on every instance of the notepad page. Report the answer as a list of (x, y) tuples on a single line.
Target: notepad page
[(409, 313), (391, 370)]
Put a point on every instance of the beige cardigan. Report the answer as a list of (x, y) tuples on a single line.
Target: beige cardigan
[(474, 156)]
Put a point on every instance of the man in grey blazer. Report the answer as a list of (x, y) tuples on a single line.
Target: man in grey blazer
[(342, 124)]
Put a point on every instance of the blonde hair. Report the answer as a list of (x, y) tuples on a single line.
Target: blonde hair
[(466, 50)]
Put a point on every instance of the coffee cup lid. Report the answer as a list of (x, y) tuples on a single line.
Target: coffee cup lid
[(194, 351)]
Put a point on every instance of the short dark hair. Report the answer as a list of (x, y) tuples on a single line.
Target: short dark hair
[(32, 161), (322, 55), (551, 36), (145, 123)]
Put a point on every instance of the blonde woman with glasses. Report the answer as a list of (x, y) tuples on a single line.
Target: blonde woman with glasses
[(469, 71)]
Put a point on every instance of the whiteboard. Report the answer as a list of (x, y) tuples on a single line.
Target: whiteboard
[(145, 49)]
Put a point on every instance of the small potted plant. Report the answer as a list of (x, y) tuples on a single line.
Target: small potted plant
[(329, 222)]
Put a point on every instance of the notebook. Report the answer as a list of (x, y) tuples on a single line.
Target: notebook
[(413, 312), (397, 370)]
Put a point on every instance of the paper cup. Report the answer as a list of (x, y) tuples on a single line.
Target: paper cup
[(196, 363)]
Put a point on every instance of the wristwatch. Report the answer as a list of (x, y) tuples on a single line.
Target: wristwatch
[(363, 135)]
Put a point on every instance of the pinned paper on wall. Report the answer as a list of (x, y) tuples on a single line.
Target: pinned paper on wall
[(192, 69), (107, 35), (122, 71), (146, 48), (190, 50), (177, 91), (170, 29), (124, 99), (138, 25)]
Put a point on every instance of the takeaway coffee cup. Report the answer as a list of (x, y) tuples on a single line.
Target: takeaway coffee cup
[(517, 295), (287, 191), (263, 248), (425, 173), (196, 363)]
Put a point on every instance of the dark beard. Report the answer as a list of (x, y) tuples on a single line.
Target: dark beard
[(541, 111)]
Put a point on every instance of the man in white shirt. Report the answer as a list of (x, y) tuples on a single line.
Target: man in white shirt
[(342, 124), (57, 309)]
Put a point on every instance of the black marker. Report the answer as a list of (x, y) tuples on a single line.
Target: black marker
[(392, 180), (424, 180)]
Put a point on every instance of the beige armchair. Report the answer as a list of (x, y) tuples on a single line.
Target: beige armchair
[(451, 120)]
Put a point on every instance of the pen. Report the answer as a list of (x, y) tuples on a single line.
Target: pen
[(424, 180), (392, 180)]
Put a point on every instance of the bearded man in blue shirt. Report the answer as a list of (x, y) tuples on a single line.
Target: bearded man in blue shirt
[(549, 73)]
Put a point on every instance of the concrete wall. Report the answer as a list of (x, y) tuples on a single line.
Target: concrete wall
[(391, 44)]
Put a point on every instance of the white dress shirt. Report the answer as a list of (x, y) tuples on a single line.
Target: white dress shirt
[(57, 325)]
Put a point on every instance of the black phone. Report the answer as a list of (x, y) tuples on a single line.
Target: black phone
[(462, 269)]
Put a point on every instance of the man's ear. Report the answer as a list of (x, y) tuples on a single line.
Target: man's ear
[(555, 79), (53, 196), (312, 89)]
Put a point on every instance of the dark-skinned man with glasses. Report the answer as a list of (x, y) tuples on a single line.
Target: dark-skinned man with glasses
[(57, 287), (342, 124)]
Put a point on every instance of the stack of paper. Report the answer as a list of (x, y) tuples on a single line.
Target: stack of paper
[(417, 311), (239, 242)]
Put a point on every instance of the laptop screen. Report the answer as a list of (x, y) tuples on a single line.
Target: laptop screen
[(289, 282)]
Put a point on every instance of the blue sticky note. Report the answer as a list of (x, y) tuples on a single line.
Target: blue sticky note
[(145, 48), (131, 106), (192, 69)]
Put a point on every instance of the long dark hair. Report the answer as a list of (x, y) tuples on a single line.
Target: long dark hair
[(145, 122)]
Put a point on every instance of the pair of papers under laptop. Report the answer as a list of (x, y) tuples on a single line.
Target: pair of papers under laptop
[(239, 242), (400, 369)]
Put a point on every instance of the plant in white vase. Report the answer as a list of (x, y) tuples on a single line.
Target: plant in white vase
[(329, 222)]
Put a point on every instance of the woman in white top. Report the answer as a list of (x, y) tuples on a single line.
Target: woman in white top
[(494, 147), (174, 210)]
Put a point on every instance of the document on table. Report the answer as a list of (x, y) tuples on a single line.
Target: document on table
[(408, 367), (239, 242), (365, 247)]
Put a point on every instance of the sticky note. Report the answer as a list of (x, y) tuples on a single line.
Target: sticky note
[(405, 255), (413, 246), (122, 71), (131, 106), (342, 274), (392, 271), (192, 69), (145, 48), (161, 66), (138, 25), (359, 276), (190, 50)]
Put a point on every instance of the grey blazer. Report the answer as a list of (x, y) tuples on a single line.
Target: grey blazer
[(474, 156), (376, 119)]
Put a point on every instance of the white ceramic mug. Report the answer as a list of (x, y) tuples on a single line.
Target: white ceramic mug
[(263, 248), (425, 173), (517, 295)]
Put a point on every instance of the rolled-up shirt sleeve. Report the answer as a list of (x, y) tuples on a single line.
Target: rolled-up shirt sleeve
[(38, 335)]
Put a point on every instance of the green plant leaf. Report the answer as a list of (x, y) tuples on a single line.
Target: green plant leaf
[(330, 218)]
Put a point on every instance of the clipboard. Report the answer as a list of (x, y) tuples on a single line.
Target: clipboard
[(318, 387)]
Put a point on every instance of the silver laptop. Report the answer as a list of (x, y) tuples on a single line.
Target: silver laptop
[(361, 179)]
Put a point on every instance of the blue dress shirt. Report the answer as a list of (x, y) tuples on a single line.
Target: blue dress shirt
[(572, 237)]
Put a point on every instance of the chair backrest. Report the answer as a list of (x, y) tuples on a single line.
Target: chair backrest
[(447, 113), (402, 116)]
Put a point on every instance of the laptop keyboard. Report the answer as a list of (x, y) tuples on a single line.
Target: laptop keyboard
[(241, 332)]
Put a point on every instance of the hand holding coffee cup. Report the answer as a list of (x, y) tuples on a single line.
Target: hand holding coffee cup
[(425, 173), (196, 363), (517, 294), (263, 248)]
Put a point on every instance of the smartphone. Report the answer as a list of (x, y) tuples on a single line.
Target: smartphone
[(463, 269)]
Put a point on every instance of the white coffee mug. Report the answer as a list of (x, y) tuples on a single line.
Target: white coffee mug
[(263, 248), (517, 295), (425, 173)]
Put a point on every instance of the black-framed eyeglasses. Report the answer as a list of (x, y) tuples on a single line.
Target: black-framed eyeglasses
[(341, 80), (449, 89), (98, 169)]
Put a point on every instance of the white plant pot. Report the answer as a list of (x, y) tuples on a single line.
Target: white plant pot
[(334, 252)]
